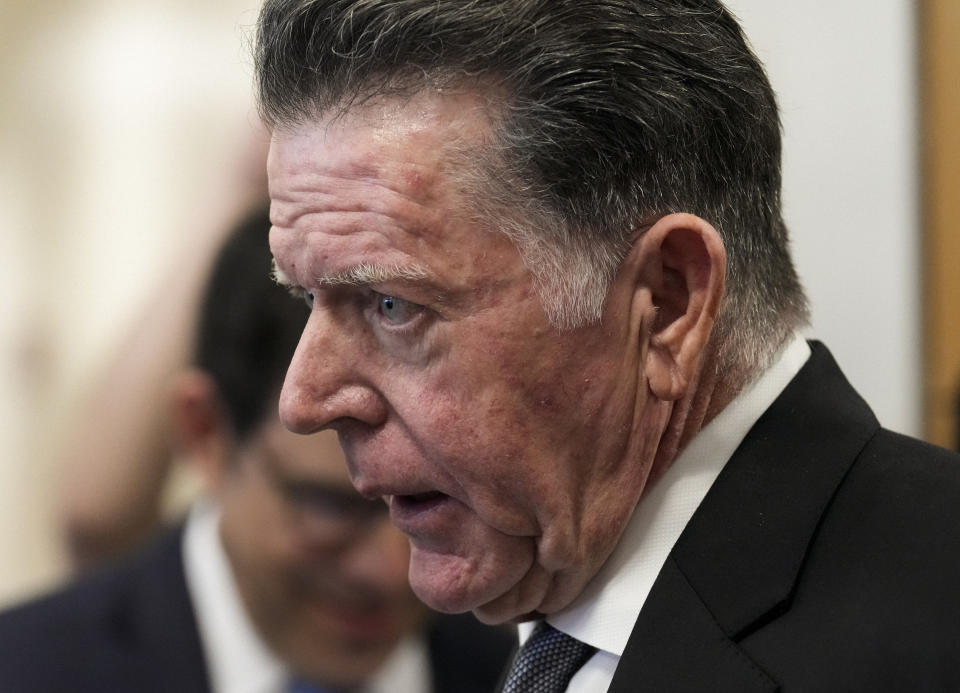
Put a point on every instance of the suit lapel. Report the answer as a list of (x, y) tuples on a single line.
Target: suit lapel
[(677, 646), (734, 567), (155, 642), (167, 609)]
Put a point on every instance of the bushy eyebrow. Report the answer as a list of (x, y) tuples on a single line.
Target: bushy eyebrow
[(367, 273), (363, 274), (279, 276)]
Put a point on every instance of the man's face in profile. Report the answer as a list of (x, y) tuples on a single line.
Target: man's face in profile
[(505, 448)]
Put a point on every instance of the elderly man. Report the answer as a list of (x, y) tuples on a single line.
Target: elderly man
[(553, 321)]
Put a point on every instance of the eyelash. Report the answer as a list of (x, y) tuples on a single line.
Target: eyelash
[(301, 295)]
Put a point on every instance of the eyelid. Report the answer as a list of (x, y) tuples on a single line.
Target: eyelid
[(301, 294), (417, 310)]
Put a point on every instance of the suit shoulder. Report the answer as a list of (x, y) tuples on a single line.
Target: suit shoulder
[(876, 605), (888, 547), (75, 603), (901, 495), (52, 637), (909, 476), (73, 638)]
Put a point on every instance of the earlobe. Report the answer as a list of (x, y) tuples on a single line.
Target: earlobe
[(684, 270)]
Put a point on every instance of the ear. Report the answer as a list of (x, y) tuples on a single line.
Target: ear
[(683, 265), (201, 430)]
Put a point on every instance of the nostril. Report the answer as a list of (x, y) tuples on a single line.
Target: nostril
[(296, 417)]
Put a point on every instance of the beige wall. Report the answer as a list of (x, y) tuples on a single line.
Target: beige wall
[(126, 129)]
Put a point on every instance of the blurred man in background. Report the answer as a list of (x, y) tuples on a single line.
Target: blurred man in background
[(282, 579)]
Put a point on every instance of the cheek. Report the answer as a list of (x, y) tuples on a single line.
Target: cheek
[(509, 434), (486, 565), (519, 421), (258, 534), (485, 454)]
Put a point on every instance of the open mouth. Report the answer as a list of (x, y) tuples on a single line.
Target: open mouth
[(417, 501), (409, 512)]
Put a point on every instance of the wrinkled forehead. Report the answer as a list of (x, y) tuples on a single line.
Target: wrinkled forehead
[(386, 185)]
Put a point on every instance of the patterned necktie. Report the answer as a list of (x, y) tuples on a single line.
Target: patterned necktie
[(546, 662)]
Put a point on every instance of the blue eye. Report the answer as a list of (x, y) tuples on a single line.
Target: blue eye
[(395, 310)]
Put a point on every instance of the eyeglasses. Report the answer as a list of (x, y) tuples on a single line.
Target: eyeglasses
[(328, 513)]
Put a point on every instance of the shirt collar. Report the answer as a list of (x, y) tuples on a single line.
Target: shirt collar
[(407, 669), (238, 661), (605, 612)]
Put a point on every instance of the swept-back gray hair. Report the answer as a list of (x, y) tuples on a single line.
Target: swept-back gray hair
[(611, 114)]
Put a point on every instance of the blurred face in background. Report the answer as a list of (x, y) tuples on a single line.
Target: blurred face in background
[(321, 570)]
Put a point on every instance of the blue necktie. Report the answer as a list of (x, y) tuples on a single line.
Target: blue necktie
[(546, 662), (301, 686)]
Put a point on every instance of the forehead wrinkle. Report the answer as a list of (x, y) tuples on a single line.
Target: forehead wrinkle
[(349, 175), (309, 256), (346, 192), (326, 211)]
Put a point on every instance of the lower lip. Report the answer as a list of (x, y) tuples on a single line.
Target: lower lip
[(419, 514)]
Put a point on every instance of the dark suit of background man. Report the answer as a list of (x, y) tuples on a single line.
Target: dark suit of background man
[(554, 323), (284, 577)]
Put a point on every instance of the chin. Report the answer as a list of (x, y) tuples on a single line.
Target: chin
[(454, 584)]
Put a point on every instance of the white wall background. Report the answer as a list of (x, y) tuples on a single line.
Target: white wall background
[(126, 124), (845, 73)]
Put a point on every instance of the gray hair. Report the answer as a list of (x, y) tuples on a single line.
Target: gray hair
[(610, 114)]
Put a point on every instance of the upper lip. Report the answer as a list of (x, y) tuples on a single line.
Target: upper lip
[(386, 490), (412, 514), (380, 479)]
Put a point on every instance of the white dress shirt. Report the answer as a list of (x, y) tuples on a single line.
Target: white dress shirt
[(605, 612), (237, 659)]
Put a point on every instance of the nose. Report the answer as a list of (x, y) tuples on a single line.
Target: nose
[(324, 387)]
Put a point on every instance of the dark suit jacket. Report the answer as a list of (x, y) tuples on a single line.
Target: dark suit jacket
[(826, 557), (131, 628)]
